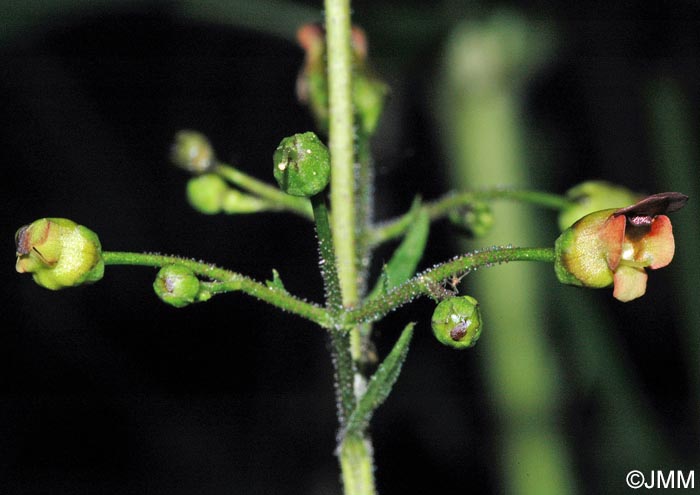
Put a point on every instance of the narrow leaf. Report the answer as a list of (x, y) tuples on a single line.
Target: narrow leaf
[(380, 384), (405, 259)]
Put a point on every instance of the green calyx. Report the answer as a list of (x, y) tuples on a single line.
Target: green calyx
[(456, 322), (302, 165), (59, 253), (178, 286), (193, 152), (594, 195), (581, 252)]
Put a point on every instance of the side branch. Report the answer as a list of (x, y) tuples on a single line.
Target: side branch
[(428, 282), (439, 208), (227, 281)]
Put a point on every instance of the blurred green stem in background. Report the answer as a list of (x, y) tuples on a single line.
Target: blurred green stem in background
[(603, 373), (675, 145), (486, 67)]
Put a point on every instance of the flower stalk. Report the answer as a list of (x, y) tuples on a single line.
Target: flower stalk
[(227, 281), (441, 207)]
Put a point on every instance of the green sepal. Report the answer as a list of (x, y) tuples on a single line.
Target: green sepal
[(561, 247), (380, 384), (405, 259)]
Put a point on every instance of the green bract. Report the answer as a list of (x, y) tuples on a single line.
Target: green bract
[(456, 322), (302, 165), (59, 253), (192, 152), (176, 285)]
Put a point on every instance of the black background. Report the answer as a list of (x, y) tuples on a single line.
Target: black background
[(104, 389)]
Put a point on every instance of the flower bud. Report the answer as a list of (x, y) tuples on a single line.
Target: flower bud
[(59, 253), (209, 194), (368, 92), (476, 218), (594, 195), (369, 95), (456, 322), (176, 285), (206, 193), (192, 152), (302, 165)]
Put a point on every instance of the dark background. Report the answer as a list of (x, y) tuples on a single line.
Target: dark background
[(104, 389)]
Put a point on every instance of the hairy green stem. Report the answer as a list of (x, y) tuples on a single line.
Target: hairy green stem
[(341, 145), (356, 463), (355, 454), (340, 340), (228, 282), (278, 199), (429, 282), (365, 207), (439, 208), (326, 250)]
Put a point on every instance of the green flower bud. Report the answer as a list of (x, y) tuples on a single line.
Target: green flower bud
[(369, 92), (192, 152), (456, 322), (206, 193), (594, 195), (476, 218), (176, 285), (302, 165), (59, 253), (209, 194)]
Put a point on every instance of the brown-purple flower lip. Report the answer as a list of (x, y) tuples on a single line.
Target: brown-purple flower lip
[(643, 211)]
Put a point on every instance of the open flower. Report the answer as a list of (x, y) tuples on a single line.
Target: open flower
[(615, 246)]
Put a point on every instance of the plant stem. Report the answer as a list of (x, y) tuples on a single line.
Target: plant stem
[(437, 209), (326, 250), (340, 340), (356, 464), (365, 208), (278, 199), (355, 452), (228, 282), (341, 145), (428, 282)]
